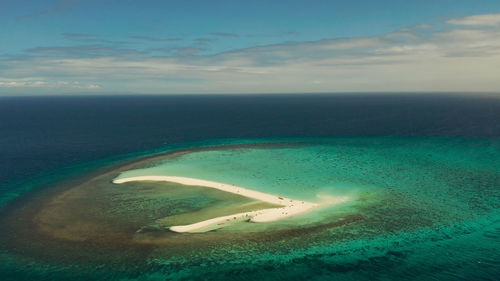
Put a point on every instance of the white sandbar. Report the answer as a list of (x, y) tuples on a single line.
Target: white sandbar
[(290, 207)]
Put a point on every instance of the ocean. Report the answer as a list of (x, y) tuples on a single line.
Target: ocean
[(46, 140)]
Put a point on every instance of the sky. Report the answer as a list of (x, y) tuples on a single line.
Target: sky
[(174, 47)]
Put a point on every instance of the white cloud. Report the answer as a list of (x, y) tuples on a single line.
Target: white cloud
[(29, 83), (478, 20), (22, 83)]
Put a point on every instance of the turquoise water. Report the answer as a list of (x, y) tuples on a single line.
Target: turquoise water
[(456, 177), (430, 205), (421, 209)]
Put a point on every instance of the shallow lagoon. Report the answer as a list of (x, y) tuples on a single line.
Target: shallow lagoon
[(420, 208)]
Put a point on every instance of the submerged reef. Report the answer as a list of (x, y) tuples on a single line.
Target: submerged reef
[(409, 200)]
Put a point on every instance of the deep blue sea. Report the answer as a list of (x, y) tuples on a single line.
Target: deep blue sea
[(45, 139)]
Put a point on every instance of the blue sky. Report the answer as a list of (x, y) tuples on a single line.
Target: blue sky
[(124, 46)]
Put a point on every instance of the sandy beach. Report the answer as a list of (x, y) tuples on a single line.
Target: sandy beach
[(290, 207)]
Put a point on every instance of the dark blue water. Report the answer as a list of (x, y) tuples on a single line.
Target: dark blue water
[(39, 136)]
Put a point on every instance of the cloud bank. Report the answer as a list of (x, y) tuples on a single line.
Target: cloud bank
[(461, 54)]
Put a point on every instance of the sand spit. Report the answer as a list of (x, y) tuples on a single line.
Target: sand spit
[(290, 207)]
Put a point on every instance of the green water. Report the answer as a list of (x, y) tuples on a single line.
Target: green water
[(418, 209)]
